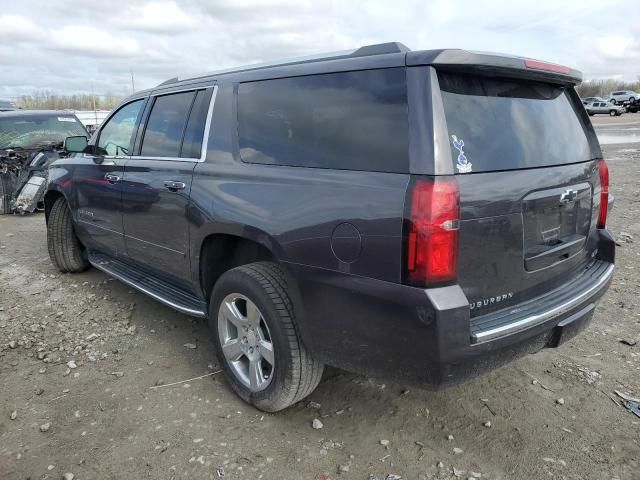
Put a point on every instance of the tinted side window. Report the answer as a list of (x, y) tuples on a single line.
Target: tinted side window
[(352, 120), (192, 143), (116, 134), (165, 127)]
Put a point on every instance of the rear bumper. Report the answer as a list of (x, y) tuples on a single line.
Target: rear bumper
[(591, 284), (427, 337)]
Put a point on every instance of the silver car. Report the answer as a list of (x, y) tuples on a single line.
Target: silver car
[(588, 100), (624, 96), (604, 107)]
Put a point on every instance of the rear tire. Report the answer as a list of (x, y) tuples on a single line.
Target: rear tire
[(5, 193), (65, 250), (613, 101), (260, 291)]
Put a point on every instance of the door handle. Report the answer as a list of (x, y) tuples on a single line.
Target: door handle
[(174, 186), (111, 178)]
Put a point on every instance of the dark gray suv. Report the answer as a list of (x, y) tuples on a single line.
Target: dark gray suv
[(425, 216)]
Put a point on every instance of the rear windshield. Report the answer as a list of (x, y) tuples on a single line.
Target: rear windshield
[(348, 120), (503, 124)]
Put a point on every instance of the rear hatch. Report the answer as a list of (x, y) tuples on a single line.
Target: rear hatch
[(526, 162)]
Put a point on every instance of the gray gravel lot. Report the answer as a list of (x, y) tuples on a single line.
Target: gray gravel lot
[(86, 366)]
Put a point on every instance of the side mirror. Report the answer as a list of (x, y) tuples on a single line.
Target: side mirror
[(75, 144)]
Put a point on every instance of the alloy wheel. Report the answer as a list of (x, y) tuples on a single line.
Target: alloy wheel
[(246, 341)]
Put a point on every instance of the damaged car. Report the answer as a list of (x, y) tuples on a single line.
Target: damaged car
[(29, 142)]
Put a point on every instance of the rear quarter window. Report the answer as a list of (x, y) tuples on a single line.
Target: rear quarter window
[(348, 120), (510, 124)]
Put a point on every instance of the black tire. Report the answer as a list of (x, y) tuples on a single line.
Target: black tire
[(590, 114), (65, 250), (295, 373), (5, 194), (613, 113), (632, 100), (613, 101)]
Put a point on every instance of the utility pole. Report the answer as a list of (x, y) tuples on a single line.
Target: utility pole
[(133, 83), (93, 98)]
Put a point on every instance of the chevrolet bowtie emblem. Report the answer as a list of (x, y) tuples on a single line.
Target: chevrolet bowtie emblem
[(568, 196)]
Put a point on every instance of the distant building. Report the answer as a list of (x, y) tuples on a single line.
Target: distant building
[(91, 119), (7, 106)]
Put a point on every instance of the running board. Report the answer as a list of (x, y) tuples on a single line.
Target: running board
[(173, 297)]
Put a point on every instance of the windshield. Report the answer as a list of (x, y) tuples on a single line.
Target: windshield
[(31, 131), (506, 124)]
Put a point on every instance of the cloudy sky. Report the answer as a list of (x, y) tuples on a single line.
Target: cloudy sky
[(68, 46)]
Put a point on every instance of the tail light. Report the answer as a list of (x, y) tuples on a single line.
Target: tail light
[(603, 169), (433, 224)]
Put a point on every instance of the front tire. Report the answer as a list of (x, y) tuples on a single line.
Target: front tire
[(613, 113), (65, 250), (258, 344), (614, 101)]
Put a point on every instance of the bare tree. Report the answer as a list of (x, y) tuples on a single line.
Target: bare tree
[(46, 100), (602, 88)]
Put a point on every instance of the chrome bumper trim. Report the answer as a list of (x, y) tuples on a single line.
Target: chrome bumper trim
[(533, 320)]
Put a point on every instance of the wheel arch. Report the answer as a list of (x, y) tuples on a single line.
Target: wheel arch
[(50, 198), (232, 246), (222, 251)]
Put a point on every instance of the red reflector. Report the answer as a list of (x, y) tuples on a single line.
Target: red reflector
[(603, 169), (432, 241), (552, 67)]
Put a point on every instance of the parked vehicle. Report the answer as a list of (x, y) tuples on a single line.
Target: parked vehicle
[(605, 108), (355, 210), (588, 100), (30, 140), (631, 107), (623, 96)]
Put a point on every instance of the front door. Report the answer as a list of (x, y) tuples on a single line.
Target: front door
[(157, 183), (97, 180)]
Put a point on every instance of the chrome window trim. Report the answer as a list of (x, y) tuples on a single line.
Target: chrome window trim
[(207, 129), (443, 162), (182, 90)]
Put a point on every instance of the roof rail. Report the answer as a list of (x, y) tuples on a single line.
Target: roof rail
[(167, 82), (381, 49), (365, 51)]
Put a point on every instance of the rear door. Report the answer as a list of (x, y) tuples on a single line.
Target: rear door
[(157, 182), (525, 153)]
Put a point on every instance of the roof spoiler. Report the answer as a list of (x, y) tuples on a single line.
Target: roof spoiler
[(495, 64)]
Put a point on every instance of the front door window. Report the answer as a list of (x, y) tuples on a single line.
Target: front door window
[(116, 135)]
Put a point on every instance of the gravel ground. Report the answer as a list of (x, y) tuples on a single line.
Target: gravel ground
[(87, 367)]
